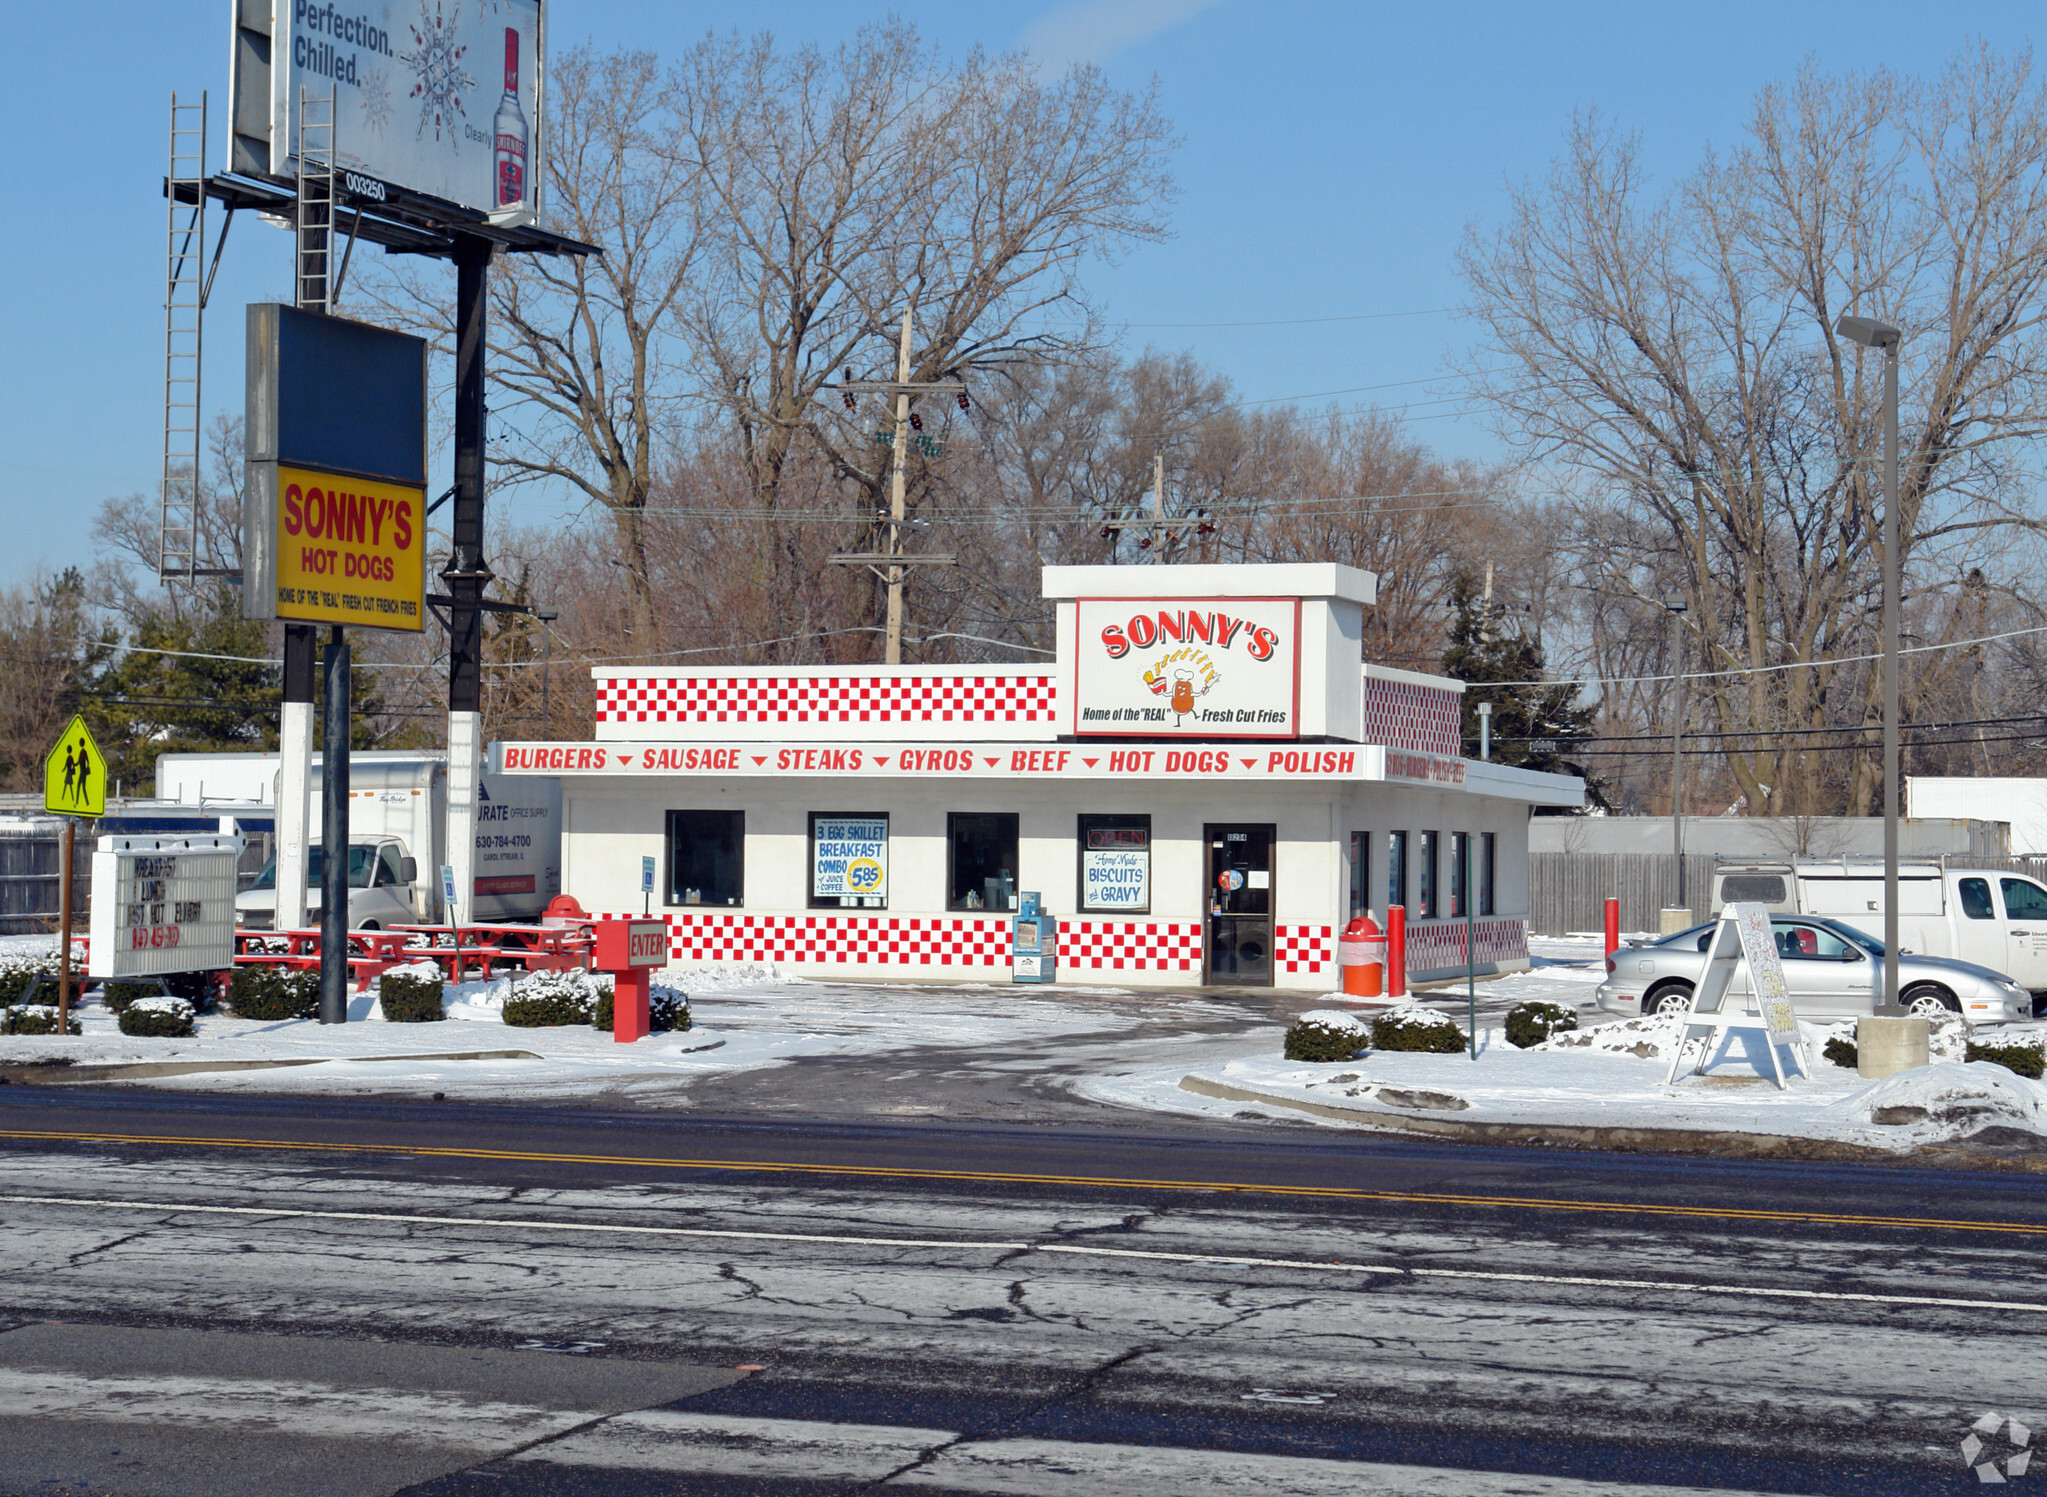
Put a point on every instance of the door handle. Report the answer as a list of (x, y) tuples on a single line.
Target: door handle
[(2022, 933)]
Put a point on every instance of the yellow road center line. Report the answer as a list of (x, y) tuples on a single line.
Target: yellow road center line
[(1009, 1177)]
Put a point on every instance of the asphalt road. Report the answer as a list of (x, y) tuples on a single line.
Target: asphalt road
[(260, 1295)]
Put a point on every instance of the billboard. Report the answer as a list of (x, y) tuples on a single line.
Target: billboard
[(162, 905), (437, 97), (334, 513), (1192, 667)]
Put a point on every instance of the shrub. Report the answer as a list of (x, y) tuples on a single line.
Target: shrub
[(667, 1008), (2025, 1060), (410, 996), (1842, 1052), (1417, 1029), (1531, 1023), (34, 1018), (273, 993), (118, 995), (19, 970), (1324, 1038), (548, 999), (164, 1018)]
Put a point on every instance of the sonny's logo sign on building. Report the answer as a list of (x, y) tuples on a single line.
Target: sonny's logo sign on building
[(1209, 668)]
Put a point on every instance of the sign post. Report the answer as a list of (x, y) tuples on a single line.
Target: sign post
[(74, 785), (454, 930)]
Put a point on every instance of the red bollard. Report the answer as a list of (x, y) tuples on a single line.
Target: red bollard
[(1396, 952), (628, 949), (1613, 930)]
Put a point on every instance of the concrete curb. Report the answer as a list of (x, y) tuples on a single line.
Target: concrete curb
[(45, 1075), (1623, 1140)]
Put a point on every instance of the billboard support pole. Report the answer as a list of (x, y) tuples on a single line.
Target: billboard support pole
[(334, 836), (467, 573)]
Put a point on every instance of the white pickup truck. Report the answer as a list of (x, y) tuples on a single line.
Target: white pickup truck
[(1993, 918)]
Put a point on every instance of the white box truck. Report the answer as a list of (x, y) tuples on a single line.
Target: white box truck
[(1991, 917), (397, 824), (2021, 802)]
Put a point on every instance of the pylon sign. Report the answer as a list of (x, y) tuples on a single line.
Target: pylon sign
[(75, 774)]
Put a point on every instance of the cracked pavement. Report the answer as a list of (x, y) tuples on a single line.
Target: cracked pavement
[(975, 1337)]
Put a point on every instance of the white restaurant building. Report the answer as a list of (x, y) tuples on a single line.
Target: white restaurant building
[(1204, 785)]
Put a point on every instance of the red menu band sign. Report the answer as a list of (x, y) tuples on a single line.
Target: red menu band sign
[(888, 761), (1198, 667)]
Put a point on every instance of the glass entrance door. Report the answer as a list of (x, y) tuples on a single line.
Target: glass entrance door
[(1239, 893)]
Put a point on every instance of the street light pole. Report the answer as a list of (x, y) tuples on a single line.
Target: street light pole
[(1675, 602), (1881, 336)]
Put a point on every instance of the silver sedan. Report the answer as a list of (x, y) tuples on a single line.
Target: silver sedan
[(1833, 970)]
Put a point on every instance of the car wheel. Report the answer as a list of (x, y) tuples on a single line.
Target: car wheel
[(1929, 1000), (1672, 996), (367, 925)]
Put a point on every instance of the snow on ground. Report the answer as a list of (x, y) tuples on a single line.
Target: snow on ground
[(1611, 1075)]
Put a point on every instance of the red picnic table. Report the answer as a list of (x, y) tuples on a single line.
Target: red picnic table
[(371, 952)]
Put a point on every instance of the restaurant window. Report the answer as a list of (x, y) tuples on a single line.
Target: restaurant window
[(1396, 869), (980, 860), (1360, 873), (1115, 864), (706, 857), (1460, 872), (849, 860), (1488, 847), (1425, 855)]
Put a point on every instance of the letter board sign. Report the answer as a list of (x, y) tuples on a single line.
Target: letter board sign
[(1192, 667), (163, 904)]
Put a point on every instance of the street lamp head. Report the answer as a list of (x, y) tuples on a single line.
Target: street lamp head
[(1868, 332), (1676, 603)]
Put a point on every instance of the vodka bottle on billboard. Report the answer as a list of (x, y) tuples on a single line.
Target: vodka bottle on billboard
[(510, 134)]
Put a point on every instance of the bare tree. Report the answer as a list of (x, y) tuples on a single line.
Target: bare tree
[(1675, 353)]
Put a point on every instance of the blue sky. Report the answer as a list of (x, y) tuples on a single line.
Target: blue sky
[(1333, 155)]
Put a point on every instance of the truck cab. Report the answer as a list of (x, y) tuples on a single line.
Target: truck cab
[(382, 883), (1995, 918)]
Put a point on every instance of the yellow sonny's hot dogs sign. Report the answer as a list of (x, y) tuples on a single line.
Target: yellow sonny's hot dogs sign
[(350, 550)]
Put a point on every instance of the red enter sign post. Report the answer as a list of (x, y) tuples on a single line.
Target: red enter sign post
[(629, 950)]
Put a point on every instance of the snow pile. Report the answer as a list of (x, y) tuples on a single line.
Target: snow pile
[(1953, 1099), (572, 983), (161, 1005)]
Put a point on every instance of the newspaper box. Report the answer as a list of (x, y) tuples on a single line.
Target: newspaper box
[(1034, 946)]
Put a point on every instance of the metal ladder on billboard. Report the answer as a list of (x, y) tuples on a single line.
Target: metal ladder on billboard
[(316, 200), (185, 285)]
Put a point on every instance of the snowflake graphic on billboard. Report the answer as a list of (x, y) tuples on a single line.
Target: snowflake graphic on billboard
[(439, 78), (374, 100)]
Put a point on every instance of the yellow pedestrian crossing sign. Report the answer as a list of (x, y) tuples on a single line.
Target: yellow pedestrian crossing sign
[(75, 774)]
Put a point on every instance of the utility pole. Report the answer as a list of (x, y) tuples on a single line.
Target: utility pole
[(889, 562), (1676, 604)]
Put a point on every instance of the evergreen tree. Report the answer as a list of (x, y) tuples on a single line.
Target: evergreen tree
[(1534, 726)]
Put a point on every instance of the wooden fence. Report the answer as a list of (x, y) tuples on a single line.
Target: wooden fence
[(1567, 891)]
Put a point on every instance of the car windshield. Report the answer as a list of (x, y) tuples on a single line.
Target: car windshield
[(361, 861), (1849, 933)]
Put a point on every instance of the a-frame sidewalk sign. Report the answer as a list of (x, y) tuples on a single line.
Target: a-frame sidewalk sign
[(74, 785), (1742, 944)]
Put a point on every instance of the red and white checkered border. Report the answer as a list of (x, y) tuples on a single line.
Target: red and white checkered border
[(1440, 947), (1303, 948), (1408, 715), (923, 941), (985, 697)]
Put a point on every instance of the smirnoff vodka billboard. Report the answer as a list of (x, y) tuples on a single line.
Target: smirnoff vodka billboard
[(1193, 667), (440, 97)]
